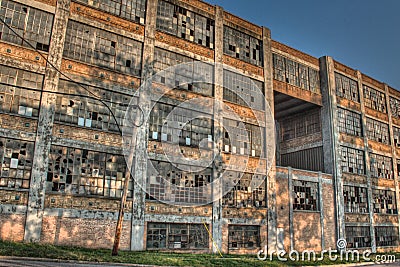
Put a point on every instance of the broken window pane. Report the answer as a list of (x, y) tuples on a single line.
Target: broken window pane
[(244, 236), (85, 172), (378, 131), (349, 122), (242, 90), (185, 24), (176, 236), (395, 107), (20, 101), (384, 201), (299, 126), (396, 136), (358, 236), (386, 236), (381, 166), (305, 195), (346, 87), (352, 160), (355, 199), (32, 24), (374, 99), (102, 48), (243, 46)]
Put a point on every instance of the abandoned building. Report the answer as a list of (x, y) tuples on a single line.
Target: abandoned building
[(62, 170)]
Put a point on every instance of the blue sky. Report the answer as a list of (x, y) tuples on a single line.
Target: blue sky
[(363, 34)]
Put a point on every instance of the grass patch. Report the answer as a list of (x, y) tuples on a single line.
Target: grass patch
[(146, 257)]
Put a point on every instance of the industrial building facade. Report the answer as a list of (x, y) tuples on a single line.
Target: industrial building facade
[(336, 133)]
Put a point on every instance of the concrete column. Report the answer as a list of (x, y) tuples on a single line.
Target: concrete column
[(270, 146), (290, 190), (321, 209), (140, 162), (394, 153), (218, 130), (367, 162), (330, 134), (34, 214)]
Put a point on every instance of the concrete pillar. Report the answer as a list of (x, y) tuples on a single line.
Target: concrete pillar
[(140, 161), (218, 129), (34, 214), (330, 135), (367, 162), (270, 146), (321, 209), (290, 190)]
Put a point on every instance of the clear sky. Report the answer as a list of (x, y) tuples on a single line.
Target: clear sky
[(362, 34)]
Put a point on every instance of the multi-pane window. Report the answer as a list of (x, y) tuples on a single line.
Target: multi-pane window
[(178, 183), (381, 166), (355, 199), (85, 172), (176, 236), (349, 122), (378, 131), (245, 140), (395, 107), (396, 136), (185, 24), (84, 110), (384, 201), (102, 48), (352, 160), (244, 190), (240, 45), (244, 236), (358, 236), (242, 90), (346, 87), (305, 195), (32, 24), (197, 77), (134, 10), (387, 236), (16, 158), (294, 73), (299, 126), (184, 126), (374, 99), (20, 101)]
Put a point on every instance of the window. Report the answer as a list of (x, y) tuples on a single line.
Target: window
[(346, 87), (83, 110), (305, 195), (387, 236), (85, 172), (197, 77), (349, 122), (178, 183), (244, 236), (242, 90), (185, 24), (396, 136), (185, 127), (32, 24), (247, 140), (374, 99), (352, 160), (355, 199), (176, 236), (102, 48), (358, 236), (384, 201), (395, 107), (16, 158), (381, 166), (25, 102), (243, 190), (294, 73), (243, 46), (299, 126), (378, 131)]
